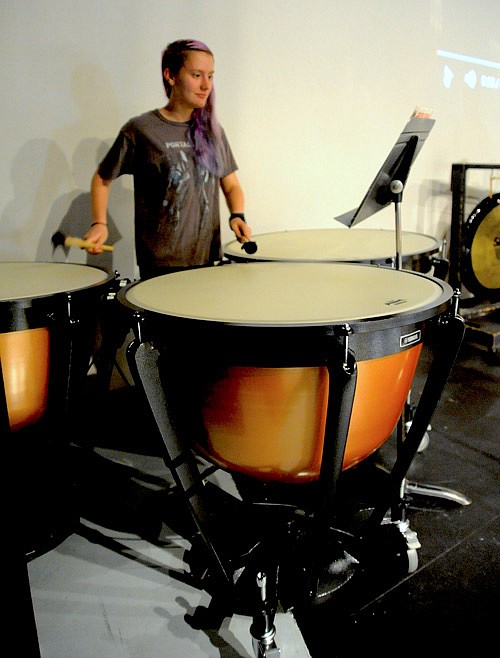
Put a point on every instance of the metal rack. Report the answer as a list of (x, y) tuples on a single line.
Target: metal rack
[(482, 317)]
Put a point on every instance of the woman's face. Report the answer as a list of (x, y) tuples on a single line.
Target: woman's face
[(191, 87)]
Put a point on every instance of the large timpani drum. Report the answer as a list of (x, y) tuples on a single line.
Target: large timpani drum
[(47, 324), (245, 353), (371, 246)]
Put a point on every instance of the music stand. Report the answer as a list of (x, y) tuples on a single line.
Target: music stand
[(390, 181), (388, 187)]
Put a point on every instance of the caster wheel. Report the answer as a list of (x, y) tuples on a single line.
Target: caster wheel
[(412, 560), (424, 444), (390, 550)]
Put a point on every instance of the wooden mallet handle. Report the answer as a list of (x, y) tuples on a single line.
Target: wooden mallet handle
[(84, 244)]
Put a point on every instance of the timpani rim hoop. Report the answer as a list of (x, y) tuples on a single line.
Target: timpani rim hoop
[(276, 294), (334, 245)]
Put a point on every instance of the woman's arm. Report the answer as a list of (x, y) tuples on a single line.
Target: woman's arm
[(99, 197), (235, 200)]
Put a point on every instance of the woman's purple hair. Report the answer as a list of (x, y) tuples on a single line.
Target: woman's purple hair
[(204, 128)]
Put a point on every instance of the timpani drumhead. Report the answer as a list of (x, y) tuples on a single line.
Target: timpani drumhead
[(335, 245), (289, 294), (28, 280), (481, 243)]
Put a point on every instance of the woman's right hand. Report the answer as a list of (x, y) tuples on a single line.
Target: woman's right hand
[(97, 234)]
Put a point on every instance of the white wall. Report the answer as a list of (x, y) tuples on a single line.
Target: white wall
[(312, 94)]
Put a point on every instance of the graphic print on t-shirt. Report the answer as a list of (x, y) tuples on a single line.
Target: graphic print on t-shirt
[(176, 188)]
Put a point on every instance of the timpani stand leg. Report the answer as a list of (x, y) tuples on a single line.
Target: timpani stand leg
[(67, 366), (435, 491), (428, 490), (441, 268), (342, 376), (263, 630), (317, 563), (450, 333), (144, 362), (72, 326), (114, 328)]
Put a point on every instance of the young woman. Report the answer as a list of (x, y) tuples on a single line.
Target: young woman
[(179, 156)]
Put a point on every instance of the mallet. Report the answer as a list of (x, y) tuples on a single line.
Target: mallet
[(248, 246), (59, 240)]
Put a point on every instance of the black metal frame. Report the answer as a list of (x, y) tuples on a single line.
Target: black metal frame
[(479, 312), (458, 190)]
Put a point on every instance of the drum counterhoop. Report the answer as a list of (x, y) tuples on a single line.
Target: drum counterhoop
[(370, 246)]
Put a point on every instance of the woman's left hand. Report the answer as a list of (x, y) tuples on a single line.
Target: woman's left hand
[(240, 228)]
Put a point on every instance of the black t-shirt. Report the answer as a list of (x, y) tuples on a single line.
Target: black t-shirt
[(177, 222)]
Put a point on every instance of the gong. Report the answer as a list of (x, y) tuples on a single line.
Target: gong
[(481, 249)]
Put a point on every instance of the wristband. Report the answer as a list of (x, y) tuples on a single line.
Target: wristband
[(233, 215), (96, 223)]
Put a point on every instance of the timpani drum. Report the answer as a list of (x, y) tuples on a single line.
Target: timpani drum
[(40, 304), (371, 246), (245, 349)]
